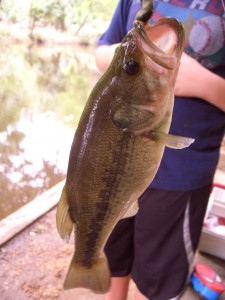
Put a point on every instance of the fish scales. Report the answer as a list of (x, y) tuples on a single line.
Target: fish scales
[(118, 146), (108, 172)]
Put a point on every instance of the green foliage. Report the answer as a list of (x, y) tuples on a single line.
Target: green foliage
[(63, 14), (50, 12), (14, 10)]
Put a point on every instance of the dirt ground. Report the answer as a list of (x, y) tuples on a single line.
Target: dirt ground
[(33, 265)]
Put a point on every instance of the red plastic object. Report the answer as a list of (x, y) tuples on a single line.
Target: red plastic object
[(209, 278), (219, 185)]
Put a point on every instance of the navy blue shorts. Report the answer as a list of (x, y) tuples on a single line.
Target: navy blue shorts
[(157, 246)]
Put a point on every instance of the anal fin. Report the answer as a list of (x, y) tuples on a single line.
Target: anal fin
[(63, 220), (133, 209)]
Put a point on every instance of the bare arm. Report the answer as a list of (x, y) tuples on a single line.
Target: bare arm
[(194, 80), (104, 55)]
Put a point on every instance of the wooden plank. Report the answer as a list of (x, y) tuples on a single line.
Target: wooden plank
[(27, 214)]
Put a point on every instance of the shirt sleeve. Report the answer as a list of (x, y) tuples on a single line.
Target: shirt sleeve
[(117, 28)]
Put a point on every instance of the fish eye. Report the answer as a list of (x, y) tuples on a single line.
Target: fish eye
[(131, 67)]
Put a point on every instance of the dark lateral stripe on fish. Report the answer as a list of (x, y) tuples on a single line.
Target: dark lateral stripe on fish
[(112, 181)]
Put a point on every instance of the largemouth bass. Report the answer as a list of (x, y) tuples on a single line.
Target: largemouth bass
[(118, 145)]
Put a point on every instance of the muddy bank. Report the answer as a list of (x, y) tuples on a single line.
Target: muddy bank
[(34, 264)]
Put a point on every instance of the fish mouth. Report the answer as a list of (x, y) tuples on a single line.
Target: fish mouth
[(163, 42)]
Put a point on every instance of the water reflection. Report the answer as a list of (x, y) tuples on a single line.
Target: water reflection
[(43, 91)]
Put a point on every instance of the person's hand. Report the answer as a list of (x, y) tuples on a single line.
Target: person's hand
[(194, 80)]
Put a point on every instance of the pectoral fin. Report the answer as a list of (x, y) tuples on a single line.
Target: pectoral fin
[(63, 220), (170, 140)]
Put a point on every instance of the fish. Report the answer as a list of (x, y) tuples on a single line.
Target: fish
[(118, 146)]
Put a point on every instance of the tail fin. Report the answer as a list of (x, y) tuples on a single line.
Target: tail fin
[(96, 278)]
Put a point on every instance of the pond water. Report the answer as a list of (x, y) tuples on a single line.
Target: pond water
[(43, 91)]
